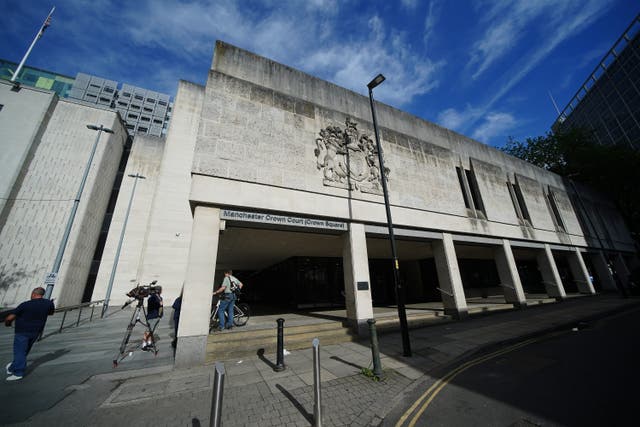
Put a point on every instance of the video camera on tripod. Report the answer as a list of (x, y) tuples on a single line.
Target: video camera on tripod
[(141, 292), (139, 316)]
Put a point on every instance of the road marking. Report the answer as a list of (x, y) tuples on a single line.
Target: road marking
[(433, 391)]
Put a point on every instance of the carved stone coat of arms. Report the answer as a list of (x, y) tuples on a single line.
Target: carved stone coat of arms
[(348, 159)]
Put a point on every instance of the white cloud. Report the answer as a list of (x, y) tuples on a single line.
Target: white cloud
[(354, 64), (430, 21), (410, 4), (506, 22), (494, 124), (458, 120), (564, 20)]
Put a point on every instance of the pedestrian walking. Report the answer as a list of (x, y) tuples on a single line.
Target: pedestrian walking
[(30, 317)]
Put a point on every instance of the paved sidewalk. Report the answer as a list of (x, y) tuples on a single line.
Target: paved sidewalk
[(254, 394)]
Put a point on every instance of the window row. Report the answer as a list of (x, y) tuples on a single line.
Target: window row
[(476, 208)]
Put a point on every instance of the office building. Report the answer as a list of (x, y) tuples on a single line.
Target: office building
[(36, 77), (144, 111), (607, 105)]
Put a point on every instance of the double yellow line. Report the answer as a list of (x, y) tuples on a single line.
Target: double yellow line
[(433, 391)]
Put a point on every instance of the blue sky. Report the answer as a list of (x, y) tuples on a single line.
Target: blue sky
[(483, 68)]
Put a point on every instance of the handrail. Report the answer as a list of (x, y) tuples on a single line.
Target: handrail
[(78, 307), (445, 292)]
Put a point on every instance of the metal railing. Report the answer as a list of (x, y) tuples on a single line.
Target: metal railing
[(79, 307)]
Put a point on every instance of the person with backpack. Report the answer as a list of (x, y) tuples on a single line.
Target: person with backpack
[(227, 291)]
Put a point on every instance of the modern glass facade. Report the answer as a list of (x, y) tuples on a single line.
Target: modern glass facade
[(608, 102), (35, 77)]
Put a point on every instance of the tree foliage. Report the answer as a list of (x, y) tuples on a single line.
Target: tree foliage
[(614, 170)]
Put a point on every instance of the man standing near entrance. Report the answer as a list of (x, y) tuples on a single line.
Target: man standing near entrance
[(227, 299), (30, 317)]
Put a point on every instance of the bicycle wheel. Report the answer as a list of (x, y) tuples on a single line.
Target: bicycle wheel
[(214, 321), (241, 314)]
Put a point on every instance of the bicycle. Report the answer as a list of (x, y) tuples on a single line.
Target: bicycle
[(241, 314)]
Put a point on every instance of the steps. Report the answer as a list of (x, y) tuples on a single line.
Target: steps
[(238, 343), (419, 320)]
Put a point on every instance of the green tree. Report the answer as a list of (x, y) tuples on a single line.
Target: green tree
[(614, 170)]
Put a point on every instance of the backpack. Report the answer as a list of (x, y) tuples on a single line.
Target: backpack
[(234, 285)]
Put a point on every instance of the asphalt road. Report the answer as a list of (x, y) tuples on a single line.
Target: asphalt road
[(584, 377)]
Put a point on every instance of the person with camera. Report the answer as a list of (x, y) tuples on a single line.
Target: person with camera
[(154, 311), (30, 317), (227, 290)]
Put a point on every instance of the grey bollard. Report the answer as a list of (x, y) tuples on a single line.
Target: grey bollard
[(280, 350), (317, 402), (375, 351), (216, 399)]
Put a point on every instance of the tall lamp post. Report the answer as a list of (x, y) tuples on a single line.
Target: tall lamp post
[(124, 227), (50, 282), (402, 314)]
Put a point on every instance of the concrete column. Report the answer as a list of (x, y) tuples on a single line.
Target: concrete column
[(602, 271), (449, 277), (550, 275), (509, 277), (580, 272), (196, 300), (357, 284)]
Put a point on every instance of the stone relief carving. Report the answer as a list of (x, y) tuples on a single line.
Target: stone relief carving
[(348, 159)]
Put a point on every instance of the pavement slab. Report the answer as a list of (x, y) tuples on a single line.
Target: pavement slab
[(71, 380)]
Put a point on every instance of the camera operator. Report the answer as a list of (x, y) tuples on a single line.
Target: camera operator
[(154, 311)]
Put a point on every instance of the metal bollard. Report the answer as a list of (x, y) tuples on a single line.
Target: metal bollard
[(375, 351), (317, 402), (280, 356), (216, 399)]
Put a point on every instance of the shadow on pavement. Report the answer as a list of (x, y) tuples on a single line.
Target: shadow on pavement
[(299, 407), (346, 362), (267, 362), (47, 358)]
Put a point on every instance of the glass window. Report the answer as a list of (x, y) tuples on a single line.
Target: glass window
[(555, 212), (462, 187), (475, 190)]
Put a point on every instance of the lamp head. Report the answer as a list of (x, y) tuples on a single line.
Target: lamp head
[(376, 81), (101, 127)]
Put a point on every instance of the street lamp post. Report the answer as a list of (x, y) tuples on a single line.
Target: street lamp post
[(105, 305), (402, 314), (65, 238)]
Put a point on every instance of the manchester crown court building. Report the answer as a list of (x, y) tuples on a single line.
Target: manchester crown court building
[(274, 173)]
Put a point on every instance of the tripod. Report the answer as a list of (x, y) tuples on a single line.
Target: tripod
[(149, 332)]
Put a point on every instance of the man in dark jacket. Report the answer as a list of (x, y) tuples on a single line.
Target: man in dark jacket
[(154, 311), (30, 317)]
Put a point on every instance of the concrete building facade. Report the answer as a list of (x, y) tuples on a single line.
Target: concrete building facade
[(274, 173), (283, 171), (45, 146)]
